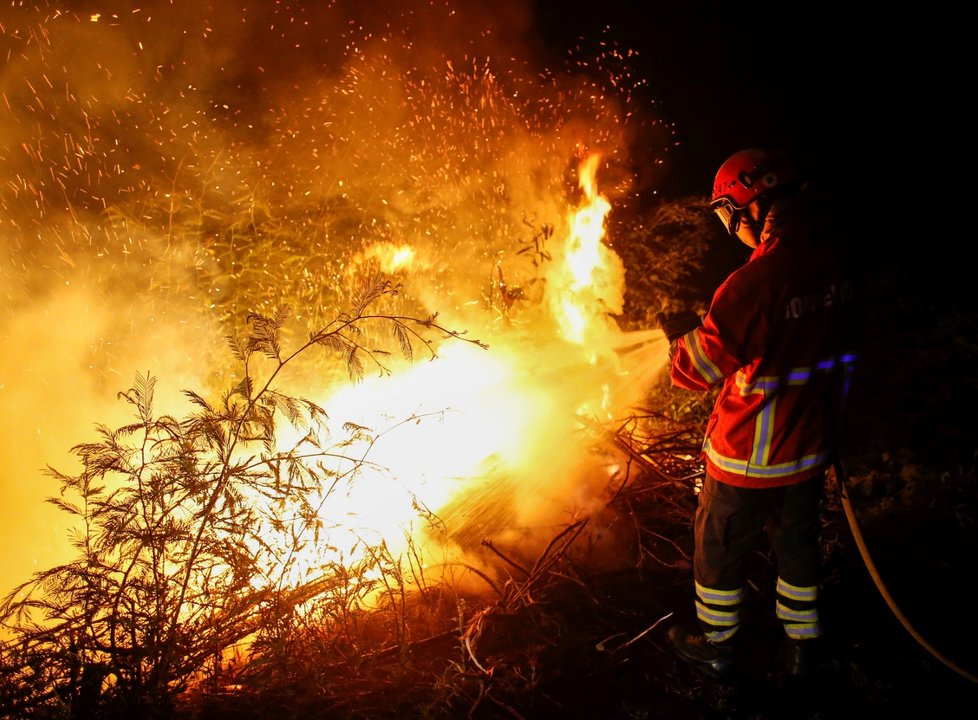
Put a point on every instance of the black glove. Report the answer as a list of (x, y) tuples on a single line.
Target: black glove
[(677, 324)]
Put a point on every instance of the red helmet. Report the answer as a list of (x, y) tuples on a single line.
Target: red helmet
[(748, 174), (744, 177)]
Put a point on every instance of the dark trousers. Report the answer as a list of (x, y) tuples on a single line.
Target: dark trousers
[(730, 522)]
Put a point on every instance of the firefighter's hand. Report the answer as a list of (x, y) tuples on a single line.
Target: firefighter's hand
[(677, 324)]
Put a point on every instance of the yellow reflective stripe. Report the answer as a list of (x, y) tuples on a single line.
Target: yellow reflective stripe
[(763, 430), (802, 631), (764, 423), (719, 597), (749, 468), (721, 618), (794, 376), (802, 616), (701, 363), (719, 636), (795, 592)]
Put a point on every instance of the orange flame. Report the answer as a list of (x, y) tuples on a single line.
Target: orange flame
[(333, 165), (464, 423), (391, 258), (588, 285)]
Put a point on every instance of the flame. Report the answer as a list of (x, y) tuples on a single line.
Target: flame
[(588, 285), (390, 258), (435, 433), (150, 203), (425, 435)]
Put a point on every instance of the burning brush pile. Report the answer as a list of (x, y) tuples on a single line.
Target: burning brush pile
[(350, 319), (330, 388)]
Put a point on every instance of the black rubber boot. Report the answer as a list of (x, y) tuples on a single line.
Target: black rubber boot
[(799, 657), (713, 659)]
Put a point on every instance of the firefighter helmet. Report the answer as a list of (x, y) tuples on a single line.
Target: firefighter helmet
[(744, 177), (748, 174)]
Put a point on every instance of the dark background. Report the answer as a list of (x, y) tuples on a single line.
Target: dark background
[(808, 78), (867, 102)]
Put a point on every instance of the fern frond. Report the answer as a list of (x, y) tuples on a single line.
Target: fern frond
[(197, 400), (370, 291), (283, 314), (354, 364), (143, 387), (316, 412), (264, 333), (238, 347), (243, 388), (286, 404), (404, 340), (65, 505), (333, 341)]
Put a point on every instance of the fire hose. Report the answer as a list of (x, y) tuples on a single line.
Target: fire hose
[(841, 479)]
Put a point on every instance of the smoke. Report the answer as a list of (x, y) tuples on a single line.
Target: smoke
[(170, 167)]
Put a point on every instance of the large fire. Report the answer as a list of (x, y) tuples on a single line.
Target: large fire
[(168, 169), (502, 426)]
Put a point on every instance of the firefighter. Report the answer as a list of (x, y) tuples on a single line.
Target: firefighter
[(778, 341)]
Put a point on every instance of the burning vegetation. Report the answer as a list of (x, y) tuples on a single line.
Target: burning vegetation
[(393, 427), (415, 238)]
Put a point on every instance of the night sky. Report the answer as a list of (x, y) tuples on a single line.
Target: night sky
[(740, 74)]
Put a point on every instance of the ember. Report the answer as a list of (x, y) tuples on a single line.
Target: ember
[(155, 194)]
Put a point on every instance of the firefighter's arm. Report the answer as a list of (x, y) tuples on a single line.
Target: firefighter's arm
[(691, 368), (706, 355)]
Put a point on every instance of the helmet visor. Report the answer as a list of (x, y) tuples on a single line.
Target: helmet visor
[(729, 216)]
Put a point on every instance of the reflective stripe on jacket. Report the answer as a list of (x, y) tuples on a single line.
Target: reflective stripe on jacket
[(780, 337)]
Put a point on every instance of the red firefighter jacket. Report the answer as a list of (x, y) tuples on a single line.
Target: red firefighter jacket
[(780, 336)]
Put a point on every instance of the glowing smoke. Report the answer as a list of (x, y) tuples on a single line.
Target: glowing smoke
[(169, 167)]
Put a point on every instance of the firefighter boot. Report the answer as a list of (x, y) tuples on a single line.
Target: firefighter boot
[(798, 657), (713, 659)]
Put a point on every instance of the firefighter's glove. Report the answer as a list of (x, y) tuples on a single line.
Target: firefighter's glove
[(677, 324)]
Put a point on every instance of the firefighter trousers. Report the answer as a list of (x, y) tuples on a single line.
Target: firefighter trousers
[(730, 522)]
